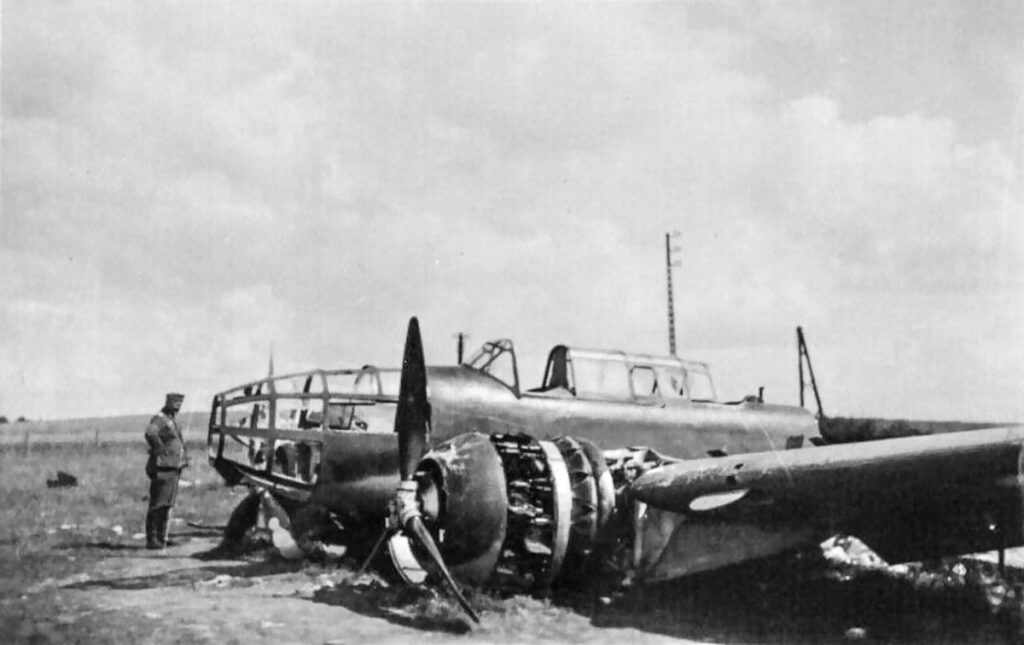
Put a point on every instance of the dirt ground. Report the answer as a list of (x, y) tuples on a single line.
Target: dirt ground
[(122, 593), (133, 595)]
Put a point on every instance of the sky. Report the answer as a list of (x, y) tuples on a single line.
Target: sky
[(187, 185)]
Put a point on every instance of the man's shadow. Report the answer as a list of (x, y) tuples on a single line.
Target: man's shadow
[(219, 574)]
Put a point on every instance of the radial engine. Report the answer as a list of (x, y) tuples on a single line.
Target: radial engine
[(518, 514)]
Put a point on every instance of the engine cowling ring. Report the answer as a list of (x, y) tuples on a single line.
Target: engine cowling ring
[(462, 489)]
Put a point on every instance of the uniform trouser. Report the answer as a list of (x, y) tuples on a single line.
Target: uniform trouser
[(163, 492)]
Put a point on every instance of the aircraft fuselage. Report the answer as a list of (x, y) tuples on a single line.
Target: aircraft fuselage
[(359, 470)]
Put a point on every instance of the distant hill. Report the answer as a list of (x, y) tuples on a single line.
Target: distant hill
[(105, 429), (129, 428)]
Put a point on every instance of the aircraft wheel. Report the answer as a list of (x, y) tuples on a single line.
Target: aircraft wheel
[(275, 518), (245, 516)]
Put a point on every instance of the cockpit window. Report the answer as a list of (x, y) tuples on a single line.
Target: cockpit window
[(602, 378), (644, 382), (368, 381), (700, 386), (497, 359), (671, 382)]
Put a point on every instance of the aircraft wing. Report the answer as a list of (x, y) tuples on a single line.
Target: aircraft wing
[(908, 498)]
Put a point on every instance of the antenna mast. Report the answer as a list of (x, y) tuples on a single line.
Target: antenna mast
[(669, 264), (461, 345), (804, 356)]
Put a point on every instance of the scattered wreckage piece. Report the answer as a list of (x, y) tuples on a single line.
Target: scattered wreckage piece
[(62, 480)]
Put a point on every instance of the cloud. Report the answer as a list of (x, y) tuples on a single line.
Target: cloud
[(900, 198), (186, 184)]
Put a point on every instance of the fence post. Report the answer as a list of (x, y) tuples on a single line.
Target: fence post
[(97, 436)]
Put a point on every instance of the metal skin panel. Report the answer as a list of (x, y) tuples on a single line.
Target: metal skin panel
[(672, 545), (359, 472)]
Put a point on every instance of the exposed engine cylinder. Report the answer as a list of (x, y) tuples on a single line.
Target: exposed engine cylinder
[(513, 512)]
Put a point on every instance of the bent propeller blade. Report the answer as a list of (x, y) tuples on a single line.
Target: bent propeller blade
[(413, 414), (412, 419)]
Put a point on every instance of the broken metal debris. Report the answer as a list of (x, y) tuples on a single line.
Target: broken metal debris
[(63, 480)]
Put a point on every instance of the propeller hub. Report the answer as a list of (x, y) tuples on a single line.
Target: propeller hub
[(406, 504)]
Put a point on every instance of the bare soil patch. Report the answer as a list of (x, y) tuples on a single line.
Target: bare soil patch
[(125, 594)]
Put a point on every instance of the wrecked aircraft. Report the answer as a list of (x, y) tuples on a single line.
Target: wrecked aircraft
[(618, 465)]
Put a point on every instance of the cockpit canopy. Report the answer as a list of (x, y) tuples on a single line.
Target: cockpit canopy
[(601, 374)]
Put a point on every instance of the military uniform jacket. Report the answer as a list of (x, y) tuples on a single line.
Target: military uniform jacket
[(166, 444)]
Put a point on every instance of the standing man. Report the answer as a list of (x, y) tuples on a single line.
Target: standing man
[(167, 457)]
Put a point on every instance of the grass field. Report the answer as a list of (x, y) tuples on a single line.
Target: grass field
[(106, 508), (49, 536), (56, 540)]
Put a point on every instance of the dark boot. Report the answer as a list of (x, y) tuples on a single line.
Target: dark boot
[(154, 529)]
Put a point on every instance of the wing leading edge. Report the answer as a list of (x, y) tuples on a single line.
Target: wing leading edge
[(908, 498)]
